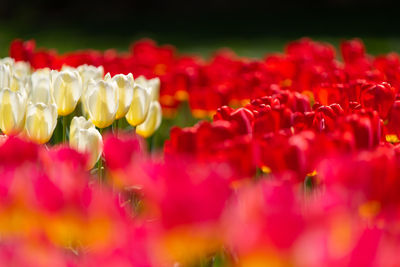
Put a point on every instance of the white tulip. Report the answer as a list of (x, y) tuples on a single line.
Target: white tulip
[(67, 90), (125, 87), (12, 111), (140, 106), (5, 76), (152, 121), (153, 86), (101, 100), (85, 138), (41, 120)]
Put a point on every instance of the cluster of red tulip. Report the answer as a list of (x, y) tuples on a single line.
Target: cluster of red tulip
[(306, 173)]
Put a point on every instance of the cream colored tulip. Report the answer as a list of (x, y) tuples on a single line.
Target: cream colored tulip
[(41, 120), (85, 138), (139, 107), (101, 102), (152, 122), (67, 90), (5, 76), (9, 61), (22, 70), (153, 86), (88, 73), (125, 86), (41, 90), (17, 85), (12, 111)]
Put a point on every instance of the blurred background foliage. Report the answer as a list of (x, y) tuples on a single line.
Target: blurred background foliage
[(252, 28)]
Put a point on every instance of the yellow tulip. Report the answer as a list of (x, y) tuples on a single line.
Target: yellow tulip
[(124, 84), (85, 138), (41, 120), (101, 102), (152, 122), (139, 107), (12, 111), (67, 89)]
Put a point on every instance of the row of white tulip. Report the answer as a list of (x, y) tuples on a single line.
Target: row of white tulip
[(30, 102)]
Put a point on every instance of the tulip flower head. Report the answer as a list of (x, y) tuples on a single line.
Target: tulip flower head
[(12, 111), (22, 70), (67, 89), (88, 72), (5, 76), (140, 106), (40, 91), (152, 121), (125, 86), (41, 120), (102, 102), (85, 138), (152, 84)]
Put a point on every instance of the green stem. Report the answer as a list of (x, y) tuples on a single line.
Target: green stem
[(115, 127), (100, 163), (64, 124)]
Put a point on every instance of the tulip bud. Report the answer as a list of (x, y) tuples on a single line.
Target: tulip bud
[(41, 91), (85, 138), (22, 70), (152, 84), (124, 84), (5, 76), (67, 89), (12, 111), (88, 72), (101, 102), (152, 121), (139, 107), (8, 61), (41, 120)]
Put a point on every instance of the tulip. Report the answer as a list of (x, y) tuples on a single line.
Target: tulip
[(17, 85), (125, 86), (67, 89), (5, 76), (41, 120), (40, 87), (85, 138), (8, 61), (102, 103), (152, 84), (90, 72), (12, 111), (152, 121), (140, 106), (22, 70), (41, 92)]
